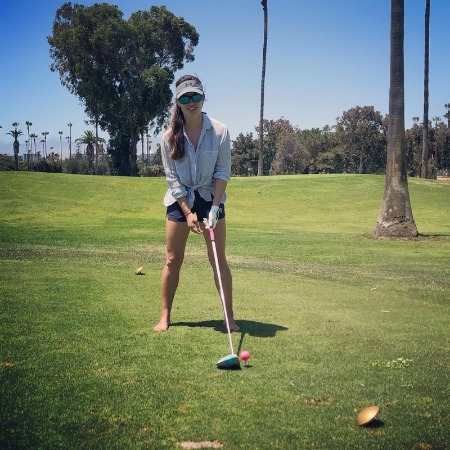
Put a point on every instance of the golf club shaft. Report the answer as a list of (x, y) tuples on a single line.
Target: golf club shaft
[(222, 297)]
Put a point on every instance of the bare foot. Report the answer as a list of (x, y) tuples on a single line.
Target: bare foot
[(163, 325), (233, 325)]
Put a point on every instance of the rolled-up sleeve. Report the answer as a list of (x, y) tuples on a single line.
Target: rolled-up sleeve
[(177, 189), (222, 169)]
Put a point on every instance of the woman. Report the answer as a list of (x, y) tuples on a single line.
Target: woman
[(196, 155)]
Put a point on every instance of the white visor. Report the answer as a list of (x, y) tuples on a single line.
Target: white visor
[(189, 86)]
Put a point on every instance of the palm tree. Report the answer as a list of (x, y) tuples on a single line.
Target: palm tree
[(436, 120), (70, 140), (424, 163), (33, 136), (142, 145), (60, 142), (447, 114), (16, 145), (89, 139), (263, 80), (45, 134), (146, 146), (28, 124), (396, 218)]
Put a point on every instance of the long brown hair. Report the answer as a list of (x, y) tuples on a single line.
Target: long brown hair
[(176, 136)]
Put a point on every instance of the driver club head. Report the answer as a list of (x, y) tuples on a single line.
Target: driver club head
[(229, 362)]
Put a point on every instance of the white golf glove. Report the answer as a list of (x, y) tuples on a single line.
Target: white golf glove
[(213, 217)]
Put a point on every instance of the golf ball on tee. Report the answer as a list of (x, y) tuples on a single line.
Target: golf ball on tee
[(245, 355)]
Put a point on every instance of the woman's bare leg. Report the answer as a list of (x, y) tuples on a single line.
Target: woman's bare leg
[(176, 237), (225, 273)]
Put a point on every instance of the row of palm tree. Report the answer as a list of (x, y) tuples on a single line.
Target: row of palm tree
[(92, 142), (89, 138)]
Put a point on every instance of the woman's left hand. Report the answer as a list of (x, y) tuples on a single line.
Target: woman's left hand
[(213, 216)]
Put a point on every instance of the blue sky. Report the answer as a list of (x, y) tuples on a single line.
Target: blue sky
[(324, 57)]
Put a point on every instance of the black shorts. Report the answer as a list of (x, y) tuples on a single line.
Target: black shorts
[(201, 208)]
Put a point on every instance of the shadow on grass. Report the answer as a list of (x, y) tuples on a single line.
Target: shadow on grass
[(375, 423), (257, 329)]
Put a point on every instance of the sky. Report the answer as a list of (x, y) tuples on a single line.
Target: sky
[(324, 57)]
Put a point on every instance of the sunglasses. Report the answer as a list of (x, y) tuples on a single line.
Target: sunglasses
[(185, 99)]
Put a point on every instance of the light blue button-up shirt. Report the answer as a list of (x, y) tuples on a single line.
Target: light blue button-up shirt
[(199, 167)]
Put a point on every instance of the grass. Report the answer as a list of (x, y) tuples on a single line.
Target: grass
[(334, 320)]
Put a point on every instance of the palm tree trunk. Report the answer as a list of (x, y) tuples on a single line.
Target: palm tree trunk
[(396, 219), (96, 143), (424, 165), (134, 136), (16, 154), (263, 80)]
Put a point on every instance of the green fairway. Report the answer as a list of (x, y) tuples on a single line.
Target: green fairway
[(334, 320)]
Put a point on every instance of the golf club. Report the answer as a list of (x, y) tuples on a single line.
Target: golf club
[(232, 360)]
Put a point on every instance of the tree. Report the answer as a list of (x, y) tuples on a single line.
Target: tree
[(28, 124), (413, 139), (362, 140), (272, 129), (33, 136), (60, 143), (90, 139), (263, 80), (436, 120), (441, 149), (122, 70), (69, 139), (6, 164), (16, 145), (292, 156), (447, 114), (318, 142), (244, 155), (424, 165), (396, 218), (45, 134)]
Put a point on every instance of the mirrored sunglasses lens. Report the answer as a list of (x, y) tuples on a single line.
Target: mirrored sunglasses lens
[(184, 99)]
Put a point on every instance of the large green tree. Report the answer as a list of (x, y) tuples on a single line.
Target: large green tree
[(292, 155), (244, 155), (361, 135), (441, 149), (122, 70), (413, 139), (272, 130), (396, 218)]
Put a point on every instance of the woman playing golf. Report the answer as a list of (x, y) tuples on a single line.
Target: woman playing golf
[(196, 156)]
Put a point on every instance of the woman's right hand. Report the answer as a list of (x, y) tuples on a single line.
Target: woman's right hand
[(193, 223)]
